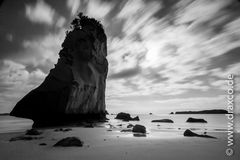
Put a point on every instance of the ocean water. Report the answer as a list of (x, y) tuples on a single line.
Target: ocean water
[(216, 123), (13, 124)]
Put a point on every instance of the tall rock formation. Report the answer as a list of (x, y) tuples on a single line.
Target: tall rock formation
[(75, 88)]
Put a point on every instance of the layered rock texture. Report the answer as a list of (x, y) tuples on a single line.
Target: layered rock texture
[(75, 87)]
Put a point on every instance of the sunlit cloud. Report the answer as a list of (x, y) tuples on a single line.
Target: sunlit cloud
[(60, 22), (16, 81), (41, 12)]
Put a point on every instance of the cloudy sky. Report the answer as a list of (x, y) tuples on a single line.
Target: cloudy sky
[(164, 55)]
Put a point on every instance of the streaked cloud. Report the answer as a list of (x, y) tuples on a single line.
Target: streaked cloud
[(98, 9), (167, 54), (43, 51), (125, 73), (172, 56), (73, 5)]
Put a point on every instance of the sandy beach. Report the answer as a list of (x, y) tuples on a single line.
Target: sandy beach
[(106, 141)]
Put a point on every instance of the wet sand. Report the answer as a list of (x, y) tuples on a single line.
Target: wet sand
[(105, 141)]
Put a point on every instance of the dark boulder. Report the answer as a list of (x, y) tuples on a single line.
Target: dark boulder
[(196, 120), (136, 118), (123, 116), (163, 120), (42, 144), (126, 117), (139, 128), (69, 142), (189, 133)]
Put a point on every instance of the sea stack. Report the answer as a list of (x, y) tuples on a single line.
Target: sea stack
[(75, 88)]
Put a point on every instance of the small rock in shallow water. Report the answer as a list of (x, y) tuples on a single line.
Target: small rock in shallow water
[(163, 120), (139, 128), (33, 132), (63, 130), (136, 118), (126, 130), (88, 125), (196, 120), (42, 144), (130, 126), (126, 117), (69, 142), (24, 138), (189, 133)]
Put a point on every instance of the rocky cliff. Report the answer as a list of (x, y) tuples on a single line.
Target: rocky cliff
[(75, 87)]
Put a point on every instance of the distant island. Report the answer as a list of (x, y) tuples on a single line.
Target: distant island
[(213, 111)]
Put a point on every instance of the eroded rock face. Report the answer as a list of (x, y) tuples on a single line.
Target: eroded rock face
[(75, 88)]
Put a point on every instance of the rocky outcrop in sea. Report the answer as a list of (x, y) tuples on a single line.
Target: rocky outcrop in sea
[(75, 88)]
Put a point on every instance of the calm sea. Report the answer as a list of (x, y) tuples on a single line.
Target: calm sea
[(216, 123), (13, 124)]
